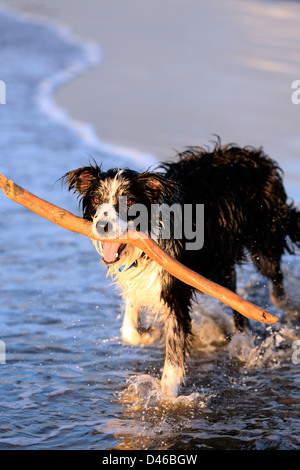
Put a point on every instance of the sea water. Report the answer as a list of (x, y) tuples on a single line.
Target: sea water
[(67, 379)]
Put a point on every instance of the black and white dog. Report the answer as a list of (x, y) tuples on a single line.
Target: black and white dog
[(246, 212)]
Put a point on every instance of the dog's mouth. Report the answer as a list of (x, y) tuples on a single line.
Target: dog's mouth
[(112, 251)]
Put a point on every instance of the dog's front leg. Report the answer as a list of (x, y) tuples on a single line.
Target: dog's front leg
[(132, 333), (177, 349), (129, 328)]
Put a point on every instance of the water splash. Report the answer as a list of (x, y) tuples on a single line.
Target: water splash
[(216, 342), (144, 392)]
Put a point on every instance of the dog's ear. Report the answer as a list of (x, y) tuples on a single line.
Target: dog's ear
[(156, 187), (82, 179)]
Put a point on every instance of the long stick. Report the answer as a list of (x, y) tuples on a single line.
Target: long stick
[(76, 224)]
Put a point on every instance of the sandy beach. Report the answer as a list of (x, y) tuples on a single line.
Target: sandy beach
[(173, 73)]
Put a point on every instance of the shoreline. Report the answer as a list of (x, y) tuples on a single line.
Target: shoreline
[(48, 88), (157, 93)]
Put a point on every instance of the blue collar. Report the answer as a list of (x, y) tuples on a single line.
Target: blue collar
[(123, 267)]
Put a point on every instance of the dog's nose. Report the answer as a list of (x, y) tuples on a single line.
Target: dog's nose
[(104, 227)]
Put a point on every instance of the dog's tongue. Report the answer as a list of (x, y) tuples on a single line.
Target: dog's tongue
[(109, 250)]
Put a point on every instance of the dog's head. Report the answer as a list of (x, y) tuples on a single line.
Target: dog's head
[(112, 199)]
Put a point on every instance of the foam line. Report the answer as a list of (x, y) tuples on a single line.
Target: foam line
[(46, 92)]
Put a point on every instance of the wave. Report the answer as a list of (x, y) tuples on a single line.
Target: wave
[(45, 99)]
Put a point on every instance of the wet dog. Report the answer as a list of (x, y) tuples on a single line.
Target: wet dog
[(246, 212)]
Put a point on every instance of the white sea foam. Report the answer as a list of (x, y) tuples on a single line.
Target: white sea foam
[(46, 92)]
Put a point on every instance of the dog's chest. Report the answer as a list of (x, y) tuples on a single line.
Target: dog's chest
[(142, 284)]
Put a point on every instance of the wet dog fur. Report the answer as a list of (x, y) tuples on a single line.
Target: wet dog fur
[(246, 212)]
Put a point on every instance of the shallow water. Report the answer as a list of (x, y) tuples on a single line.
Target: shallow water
[(68, 382)]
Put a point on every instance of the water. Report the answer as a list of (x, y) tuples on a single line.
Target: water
[(68, 381)]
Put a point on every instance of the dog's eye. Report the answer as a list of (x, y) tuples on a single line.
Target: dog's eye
[(96, 200), (129, 202)]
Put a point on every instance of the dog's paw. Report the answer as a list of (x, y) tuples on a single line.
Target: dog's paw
[(149, 335), (171, 378), (141, 336)]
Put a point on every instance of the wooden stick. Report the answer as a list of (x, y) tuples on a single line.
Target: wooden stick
[(76, 224), (45, 209)]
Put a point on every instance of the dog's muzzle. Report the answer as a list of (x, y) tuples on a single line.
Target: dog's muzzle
[(111, 251), (104, 228), (107, 224)]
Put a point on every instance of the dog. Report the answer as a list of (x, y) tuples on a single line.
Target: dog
[(246, 213)]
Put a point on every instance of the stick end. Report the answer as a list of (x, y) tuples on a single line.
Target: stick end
[(268, 318)]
